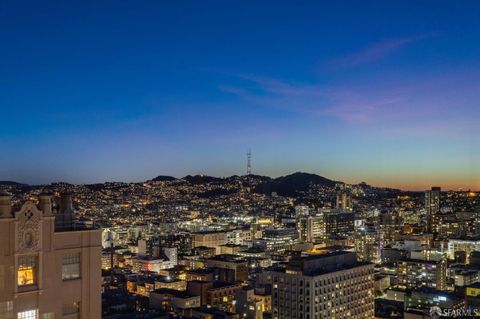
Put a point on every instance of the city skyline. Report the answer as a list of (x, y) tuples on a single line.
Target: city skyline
[(225, 177), (239, 159), (372, 92)]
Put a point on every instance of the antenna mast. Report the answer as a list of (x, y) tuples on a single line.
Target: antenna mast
[(249, 161)]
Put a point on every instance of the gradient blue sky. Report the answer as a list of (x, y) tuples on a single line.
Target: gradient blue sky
[(386, 92)]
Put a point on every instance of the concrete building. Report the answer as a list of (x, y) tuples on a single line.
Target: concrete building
[(247, 306), (321, 286), (425, 298), (154, 264), (211, 239), (302, 211), (417, 273), (240, 236), (48, 268), (311, 229), (216, 293), (277, 239), (222, 295), (465, 245), (237, 265), (172, 300), (338, 222), (171, 256), (368, 245), (201, 274)]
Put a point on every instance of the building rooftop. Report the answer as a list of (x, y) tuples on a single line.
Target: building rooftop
[(318, 264), (222, 284), (173, 292), (228, 258)]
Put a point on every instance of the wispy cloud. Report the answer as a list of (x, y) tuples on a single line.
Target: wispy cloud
[(377, 51), (429, 105), (346, 104)]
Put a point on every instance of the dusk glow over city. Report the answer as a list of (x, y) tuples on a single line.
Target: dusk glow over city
[(240, 159)]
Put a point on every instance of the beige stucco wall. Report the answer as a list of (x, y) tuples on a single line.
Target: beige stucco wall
[(51, 292)]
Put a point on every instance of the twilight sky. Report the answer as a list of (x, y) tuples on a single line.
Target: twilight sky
[(386, 92)]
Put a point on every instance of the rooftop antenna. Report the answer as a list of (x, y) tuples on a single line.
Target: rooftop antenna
[(249, 161)]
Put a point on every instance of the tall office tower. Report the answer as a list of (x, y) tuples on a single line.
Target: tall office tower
[(172, 256), (344, 200), (47, 269), (338, 223), (302, 211), (389, 226), (311, 229), (315, 229), (368, 244), (330, 285), (432, 206), (302, 228)]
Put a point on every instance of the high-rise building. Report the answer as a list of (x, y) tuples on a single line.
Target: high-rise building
[(464, 245), (330, 285), (302, 211), (239, 236), (277, 239), (368, 244), (311, 229), (432, 206), (48, 267), (338, 223), (423, 272), (171, 255), (344, 200), (302, 228)]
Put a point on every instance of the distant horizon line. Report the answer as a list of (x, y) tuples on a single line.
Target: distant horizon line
[(413, 189)]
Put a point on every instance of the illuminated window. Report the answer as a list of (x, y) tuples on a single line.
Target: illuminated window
[(27, 270), (71, 266), (29, 314), (49, 315)]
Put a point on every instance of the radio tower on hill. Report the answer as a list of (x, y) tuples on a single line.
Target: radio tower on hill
[(249, 161)]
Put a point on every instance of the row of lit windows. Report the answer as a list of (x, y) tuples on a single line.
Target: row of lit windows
[(27, 271), (6, 312), (354, 275)]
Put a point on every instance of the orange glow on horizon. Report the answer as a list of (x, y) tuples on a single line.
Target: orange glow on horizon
[(422, 185)]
